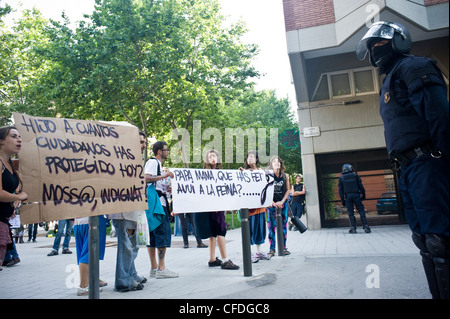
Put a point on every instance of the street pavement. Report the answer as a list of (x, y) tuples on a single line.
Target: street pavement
[(327, 263)]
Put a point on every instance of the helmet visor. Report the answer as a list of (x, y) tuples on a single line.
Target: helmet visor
[(382, 30)]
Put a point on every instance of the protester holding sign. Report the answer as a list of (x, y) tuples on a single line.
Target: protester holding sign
[(256, 216), (125, 224), (81, 232), (160, 237), (10, 193), (281, 192), (212, 224)]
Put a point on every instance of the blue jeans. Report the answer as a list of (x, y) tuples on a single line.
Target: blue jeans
[(272, 224), (12, 253), (32, 231), (297, 209), (127, 250), (68, 225)]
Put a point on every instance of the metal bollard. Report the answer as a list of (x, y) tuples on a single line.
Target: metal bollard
[(246, 250), (280, 236), (94, 255)]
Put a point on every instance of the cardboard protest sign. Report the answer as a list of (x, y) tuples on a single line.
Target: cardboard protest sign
[(209, 190), (74, 168)]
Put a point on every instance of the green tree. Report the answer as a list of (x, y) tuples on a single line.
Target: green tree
[(264, 110), (246, 114), (21, 67), (155, 63)]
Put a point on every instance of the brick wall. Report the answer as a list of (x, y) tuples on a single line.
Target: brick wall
[(431, 2), (300, 14)]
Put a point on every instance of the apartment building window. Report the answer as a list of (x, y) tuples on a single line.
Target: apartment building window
[(348, 83)]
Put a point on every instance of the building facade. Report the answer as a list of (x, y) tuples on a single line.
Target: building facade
[(337, 95)]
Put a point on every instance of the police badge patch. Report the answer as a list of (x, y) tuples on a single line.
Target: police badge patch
[(387, 97)]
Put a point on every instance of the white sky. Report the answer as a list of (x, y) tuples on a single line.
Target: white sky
[(264, 19)]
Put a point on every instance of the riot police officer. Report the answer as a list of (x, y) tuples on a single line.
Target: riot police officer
[(415, 112), (352, 193)]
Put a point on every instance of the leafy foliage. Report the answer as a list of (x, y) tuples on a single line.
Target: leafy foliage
[(158, 64)]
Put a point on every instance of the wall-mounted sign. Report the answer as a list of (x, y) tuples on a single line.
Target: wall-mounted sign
[(311, 131)]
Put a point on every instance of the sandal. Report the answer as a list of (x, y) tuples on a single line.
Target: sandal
[(271, 253), (286, 252)]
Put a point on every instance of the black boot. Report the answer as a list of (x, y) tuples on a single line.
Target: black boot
[(441, 267), (352, 220), (434, 252), (430, 274), (439, 250)]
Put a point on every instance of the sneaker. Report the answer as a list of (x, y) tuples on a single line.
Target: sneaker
[(85, 291), (229, 265), (127, 289), (367, 229), (53, 253), (153, 273), (262, 256), (139, 286), (255, 258), (202, 245), (66, 251), (352, 231), (165, 273), (215, 263), (11, 262)]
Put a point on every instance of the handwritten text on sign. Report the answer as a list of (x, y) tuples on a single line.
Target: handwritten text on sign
[(208, 190), (75, 168)]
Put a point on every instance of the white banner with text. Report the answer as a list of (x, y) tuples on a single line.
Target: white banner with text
[(209, 190)]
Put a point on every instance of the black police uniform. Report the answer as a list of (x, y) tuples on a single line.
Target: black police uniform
[(352, 192), (415, 112)]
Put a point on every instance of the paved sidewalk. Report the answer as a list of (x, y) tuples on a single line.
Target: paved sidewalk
[(323, 264)]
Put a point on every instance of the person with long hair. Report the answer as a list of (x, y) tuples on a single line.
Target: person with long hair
[(281, 192), (298, 199), (212, 224), (11, 194), (256, 216)]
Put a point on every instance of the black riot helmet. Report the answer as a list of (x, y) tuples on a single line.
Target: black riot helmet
[(346, 168), (398, 35)]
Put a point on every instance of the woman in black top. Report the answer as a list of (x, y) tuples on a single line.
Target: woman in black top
[(282, 189), (10, 194)]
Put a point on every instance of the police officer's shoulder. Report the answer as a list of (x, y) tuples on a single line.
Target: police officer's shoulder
[(418, 72)]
